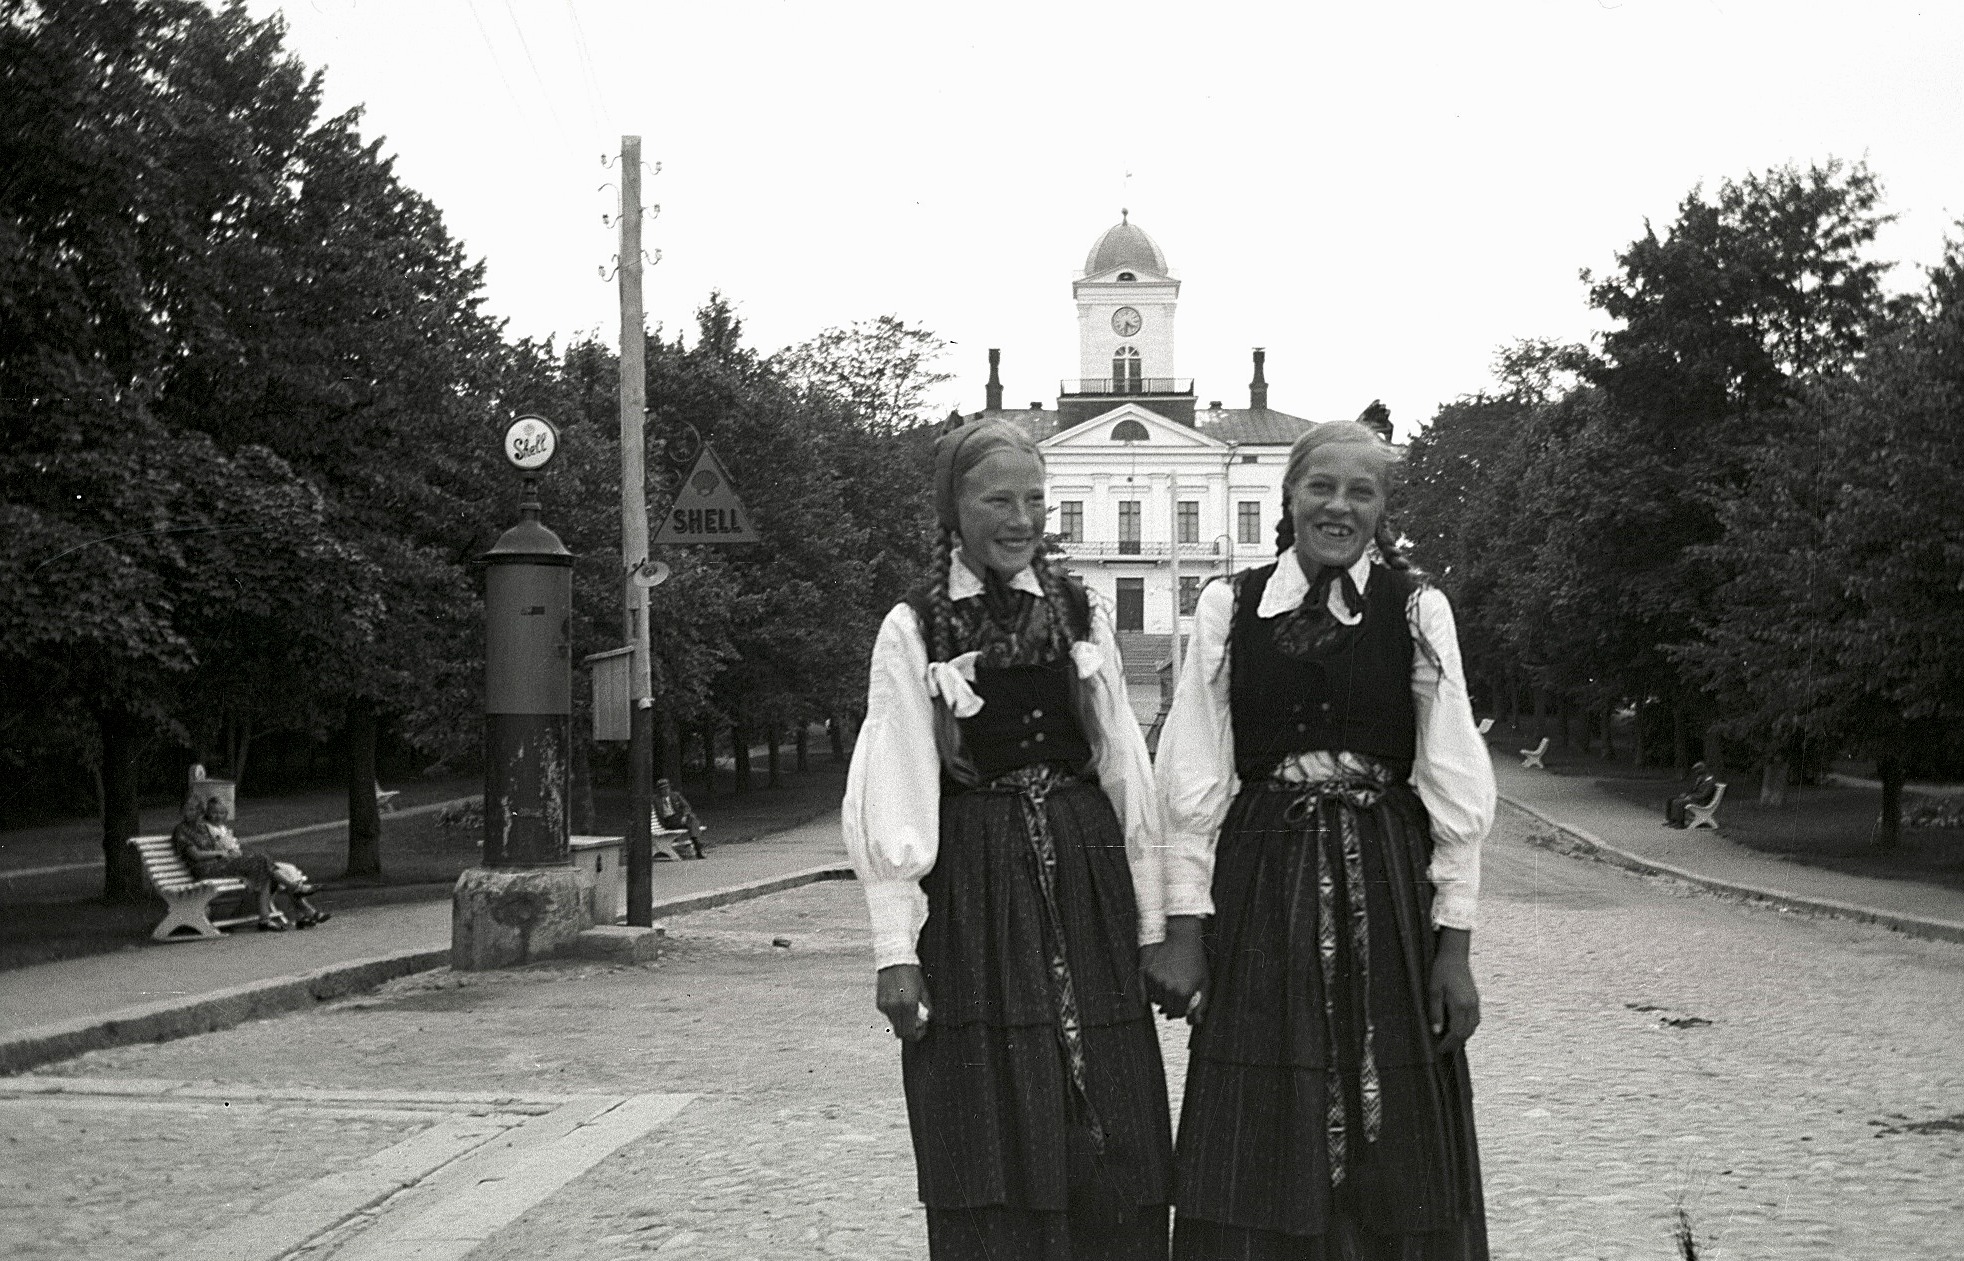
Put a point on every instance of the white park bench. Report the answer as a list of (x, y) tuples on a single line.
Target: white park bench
[(187, 898), (1486, 725), (385, 799), (1531, 758), (1706, 816)]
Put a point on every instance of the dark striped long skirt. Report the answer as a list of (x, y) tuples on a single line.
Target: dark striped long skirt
[(1258, 1135), (1013, 1160)]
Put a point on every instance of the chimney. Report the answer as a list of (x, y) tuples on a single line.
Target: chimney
[(1258, 388), (1037, 406), (993, 401)]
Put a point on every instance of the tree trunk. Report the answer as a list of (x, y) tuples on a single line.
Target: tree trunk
[(1561, 721), (1609, 733), (1540, 712), (740, 749), (238, 747), (708, 741), (835, 731), (364, 816), (1773, 781), (1889, 828), (775, 737), (581, 773), (1680, 741), (804, 739), (1637, 713), (671, 751), (122, 874), (1713, 745)]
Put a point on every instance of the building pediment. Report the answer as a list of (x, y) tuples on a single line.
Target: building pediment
[(1130, 426)]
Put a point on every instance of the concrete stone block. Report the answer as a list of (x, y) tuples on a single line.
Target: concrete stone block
[(500, 917), (618, 943)]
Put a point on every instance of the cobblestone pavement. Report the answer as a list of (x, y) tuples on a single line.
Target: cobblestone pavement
[(1794, 1087)]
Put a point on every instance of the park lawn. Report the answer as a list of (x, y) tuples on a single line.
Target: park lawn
[(421, 859), (1827, 826)]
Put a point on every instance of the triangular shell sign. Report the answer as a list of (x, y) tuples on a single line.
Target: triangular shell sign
[(706, 508)]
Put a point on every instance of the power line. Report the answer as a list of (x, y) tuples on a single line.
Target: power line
[(587, 70), (511, 93), (544, 91)]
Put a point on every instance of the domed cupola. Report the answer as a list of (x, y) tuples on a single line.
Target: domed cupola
[(1124, 245)]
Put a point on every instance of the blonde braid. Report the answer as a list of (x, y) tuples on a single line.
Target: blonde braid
[(941, 633), (1056, 594)]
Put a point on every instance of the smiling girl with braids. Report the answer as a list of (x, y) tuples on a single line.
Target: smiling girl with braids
[(1326, 794), (1001, 814)]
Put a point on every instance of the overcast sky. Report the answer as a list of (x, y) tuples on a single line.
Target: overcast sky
[(1379, 194)]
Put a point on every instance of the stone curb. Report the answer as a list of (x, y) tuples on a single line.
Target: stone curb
[(1909, 925), (172, 1018)]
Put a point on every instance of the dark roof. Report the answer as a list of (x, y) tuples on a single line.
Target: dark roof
[(1250, 425), (1041, 422), (1244, 425)]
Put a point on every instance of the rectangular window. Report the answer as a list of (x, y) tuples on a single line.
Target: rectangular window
[(1248, 521), (1070, 521), (1128, 527), (1189, 521), (1189, 596), (1251, 459)]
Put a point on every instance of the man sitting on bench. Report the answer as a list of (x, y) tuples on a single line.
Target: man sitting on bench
[(1704, 787), (205, 841)]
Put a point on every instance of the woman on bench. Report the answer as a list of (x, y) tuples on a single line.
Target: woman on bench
[(205, 841)]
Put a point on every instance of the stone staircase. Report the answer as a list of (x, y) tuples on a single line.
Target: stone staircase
[(1143, 653)]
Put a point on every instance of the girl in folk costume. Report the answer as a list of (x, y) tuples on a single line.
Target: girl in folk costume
[(1326, 795), (1001, 814)]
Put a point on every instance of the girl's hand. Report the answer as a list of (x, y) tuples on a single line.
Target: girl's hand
[(902, 999), (1176, 970), (1453, 1000)]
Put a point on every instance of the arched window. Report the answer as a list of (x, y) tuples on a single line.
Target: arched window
[(1125, 370), (1126, 275), (1129, 431)]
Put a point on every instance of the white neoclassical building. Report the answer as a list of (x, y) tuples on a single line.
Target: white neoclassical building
[(1150, 492)]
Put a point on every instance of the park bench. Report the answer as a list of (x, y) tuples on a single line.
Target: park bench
[(1486, 725), (1531, 758), (1706, 816), (187, 898), (385, 799)]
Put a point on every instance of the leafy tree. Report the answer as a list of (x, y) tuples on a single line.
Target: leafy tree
[(882, 369)]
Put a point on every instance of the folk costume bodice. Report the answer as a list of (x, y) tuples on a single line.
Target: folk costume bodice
[(1352, 694)]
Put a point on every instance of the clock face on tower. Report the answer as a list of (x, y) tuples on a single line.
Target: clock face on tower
[(1126, 321)]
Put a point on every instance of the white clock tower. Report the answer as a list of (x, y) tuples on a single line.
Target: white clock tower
[(1125, 304)]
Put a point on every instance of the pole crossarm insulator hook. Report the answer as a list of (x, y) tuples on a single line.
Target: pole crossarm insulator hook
[(608, 274)]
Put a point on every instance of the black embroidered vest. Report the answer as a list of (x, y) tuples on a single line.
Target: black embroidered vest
[(1358, 699), (1026, 717), (1028, 713)]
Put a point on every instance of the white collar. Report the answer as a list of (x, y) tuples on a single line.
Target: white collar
[(962, 582), (1288, 585)]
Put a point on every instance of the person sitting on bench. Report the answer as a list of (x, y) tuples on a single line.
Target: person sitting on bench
[(1704, 787), (205, 841), (672, 811)]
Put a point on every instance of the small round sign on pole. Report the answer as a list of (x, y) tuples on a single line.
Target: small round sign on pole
[(530, 443)]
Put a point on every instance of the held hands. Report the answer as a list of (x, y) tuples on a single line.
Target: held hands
[(1176, 970), (902, 999), (1453, 1001)]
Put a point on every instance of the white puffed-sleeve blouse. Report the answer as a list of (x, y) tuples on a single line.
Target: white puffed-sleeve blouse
[(892, 811), (1452, 771)]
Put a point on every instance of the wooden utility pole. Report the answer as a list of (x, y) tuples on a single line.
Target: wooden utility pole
[(634, 546)]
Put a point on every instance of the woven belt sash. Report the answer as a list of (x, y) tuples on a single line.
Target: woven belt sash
[(1033, 786), (1325, 811)]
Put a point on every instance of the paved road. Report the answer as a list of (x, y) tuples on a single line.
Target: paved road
[(1792, 1085)]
